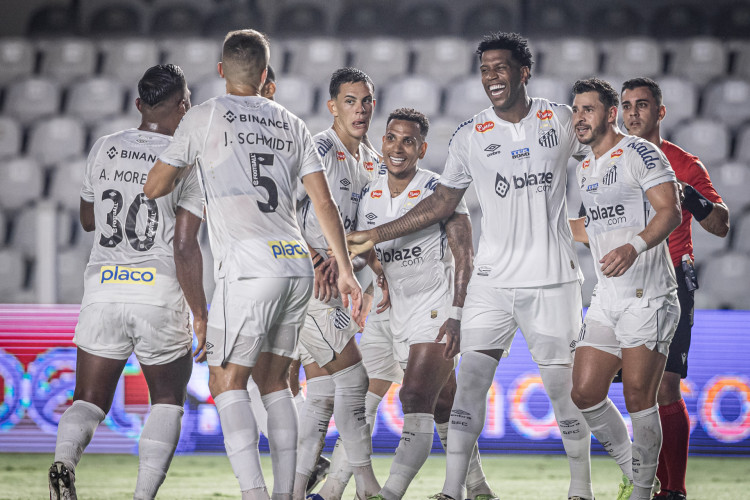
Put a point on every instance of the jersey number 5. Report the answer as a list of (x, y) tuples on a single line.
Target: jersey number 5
[(113, 222), (267, 183)]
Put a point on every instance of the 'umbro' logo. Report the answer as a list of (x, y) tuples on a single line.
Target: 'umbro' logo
[(230, 116), (345, 182), (492, 149), (371, 216), (112, 152)]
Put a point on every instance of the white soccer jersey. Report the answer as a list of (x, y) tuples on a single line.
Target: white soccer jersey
[(613, 192), (346, 177), (519, 170), (251, 153), (419, 266), (132, 259)]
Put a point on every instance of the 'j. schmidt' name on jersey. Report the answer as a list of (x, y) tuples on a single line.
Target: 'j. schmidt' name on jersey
[(131, 155), (252, 138)]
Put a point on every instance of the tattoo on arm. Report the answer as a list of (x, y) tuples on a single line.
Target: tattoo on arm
[(458, 230)]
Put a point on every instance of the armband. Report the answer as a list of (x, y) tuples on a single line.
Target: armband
[(639, 244), (696, 203), (455, 312)]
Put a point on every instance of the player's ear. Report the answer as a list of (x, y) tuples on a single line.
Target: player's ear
[(138, 103), (612, 115), (422, 150), (332, 107), (525, 74), (220, 69), (662, 112), (269, 89)]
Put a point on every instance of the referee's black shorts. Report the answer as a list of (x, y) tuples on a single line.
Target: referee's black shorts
[(677, 361)]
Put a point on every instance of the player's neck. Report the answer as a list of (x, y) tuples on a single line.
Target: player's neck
[(350, 143), (608, 141), (654, 137), (518, 111), (242, 90), (155, 126), (397, 185)]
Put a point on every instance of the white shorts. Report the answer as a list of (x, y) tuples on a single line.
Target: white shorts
[(611, 331), (379, 352), (324, 334), (114, 330), (255, 315), (549, 318)]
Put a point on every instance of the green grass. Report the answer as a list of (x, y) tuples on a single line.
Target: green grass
[(541, 477)]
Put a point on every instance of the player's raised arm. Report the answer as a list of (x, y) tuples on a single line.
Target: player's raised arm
[(161, 180), (430, 210), (458, 230), (189, 265), (317, 188)]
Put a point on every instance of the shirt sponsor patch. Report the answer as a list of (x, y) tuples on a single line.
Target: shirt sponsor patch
[(520, 154), (376, 194), (340, 155), (131, 275), (586, 164), (544, 115), (549, 139), (414, 193), (616, 154), (288, 249), (484, 127)]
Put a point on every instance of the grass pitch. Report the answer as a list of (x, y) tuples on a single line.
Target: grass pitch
[(542, 477)]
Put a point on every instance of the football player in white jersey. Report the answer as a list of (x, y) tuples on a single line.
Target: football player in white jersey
[(525, 272), (419, 269), (132, 300), (337, 381), (251, 154), (630, 195)]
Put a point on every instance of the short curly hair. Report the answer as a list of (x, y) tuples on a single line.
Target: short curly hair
[(515, 43), (607, 94), (411, 115)]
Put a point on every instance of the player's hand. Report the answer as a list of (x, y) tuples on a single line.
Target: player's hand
[(452, 329), (332, 275), (386, 302), (199, 326), (350, 292), (367, 299), (359, 242), (619, 260), (681, 191), (322, 289)]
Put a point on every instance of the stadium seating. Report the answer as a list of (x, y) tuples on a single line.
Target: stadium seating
[(66, 182), (12, 274), (569, 59), (10, 137), (424, 18), (414, 92), (708, 139), (68, 59), (632, 57), (23, 236), (206, 89), (32, 99), (706, 244), (196, 56), (731, 181), (298, 94), (723, 282), (381, 58), (551, 88), (741, 234), (72, 264), (728, 101), (17, 58), (126, 60), (177, 19), (56, 139), (94, 99), (316, 58), (110, 126), (699, 60), (441, 131), (23, 182), (360, 17), (443, 58), (480, 18), (465, 97), (116, 19), (680, 97), (742, 145)]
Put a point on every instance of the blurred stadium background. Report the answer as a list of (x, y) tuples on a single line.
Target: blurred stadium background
[(68, 74)]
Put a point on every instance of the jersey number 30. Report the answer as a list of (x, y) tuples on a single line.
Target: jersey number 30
[(138, 243)]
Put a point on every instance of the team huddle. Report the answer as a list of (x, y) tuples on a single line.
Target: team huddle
[(316, 238)]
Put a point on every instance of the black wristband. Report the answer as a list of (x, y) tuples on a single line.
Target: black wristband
[(696, 203)]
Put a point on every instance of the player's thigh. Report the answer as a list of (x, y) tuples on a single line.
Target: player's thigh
[(326, 332), (96, 378), (282, 338), (167, 383), (597, 359), (160, 335), (376, 346), (426, 373), (550, 319), (487, 323)]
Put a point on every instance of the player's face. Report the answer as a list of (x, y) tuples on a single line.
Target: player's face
[(503, 78), (352, 109), (402, 147), (176, 106), (590, 117), (640, 112)]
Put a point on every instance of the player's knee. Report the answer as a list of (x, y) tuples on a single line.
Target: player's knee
[(638, 396), (583, 399), (99, 397), (444, 404), (414, 400)]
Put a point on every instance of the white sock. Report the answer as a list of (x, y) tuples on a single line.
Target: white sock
[(159, 439), (241, 440), (75, 430), (475, 375), (646, 446), (412, 452), (575, 433), (476, 481), (282, 440), (299, 402), (256, 403), (608, 426), (351, 422), (340, 471), (313, 426)]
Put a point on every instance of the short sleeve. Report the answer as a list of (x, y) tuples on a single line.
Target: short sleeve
[(462, 208), (190, 194), (456, 174), (311, 161), (700, 180), (188, 138), (87, 189), (649, 166)]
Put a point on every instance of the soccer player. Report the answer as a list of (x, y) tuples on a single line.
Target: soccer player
[(337, 381), (631, 200), (643, 111), (269, 86), (526, 271), (420, 271), (132, 300), (251, 153)]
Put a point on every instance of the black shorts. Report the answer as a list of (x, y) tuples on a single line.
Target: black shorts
[(677, 361)]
